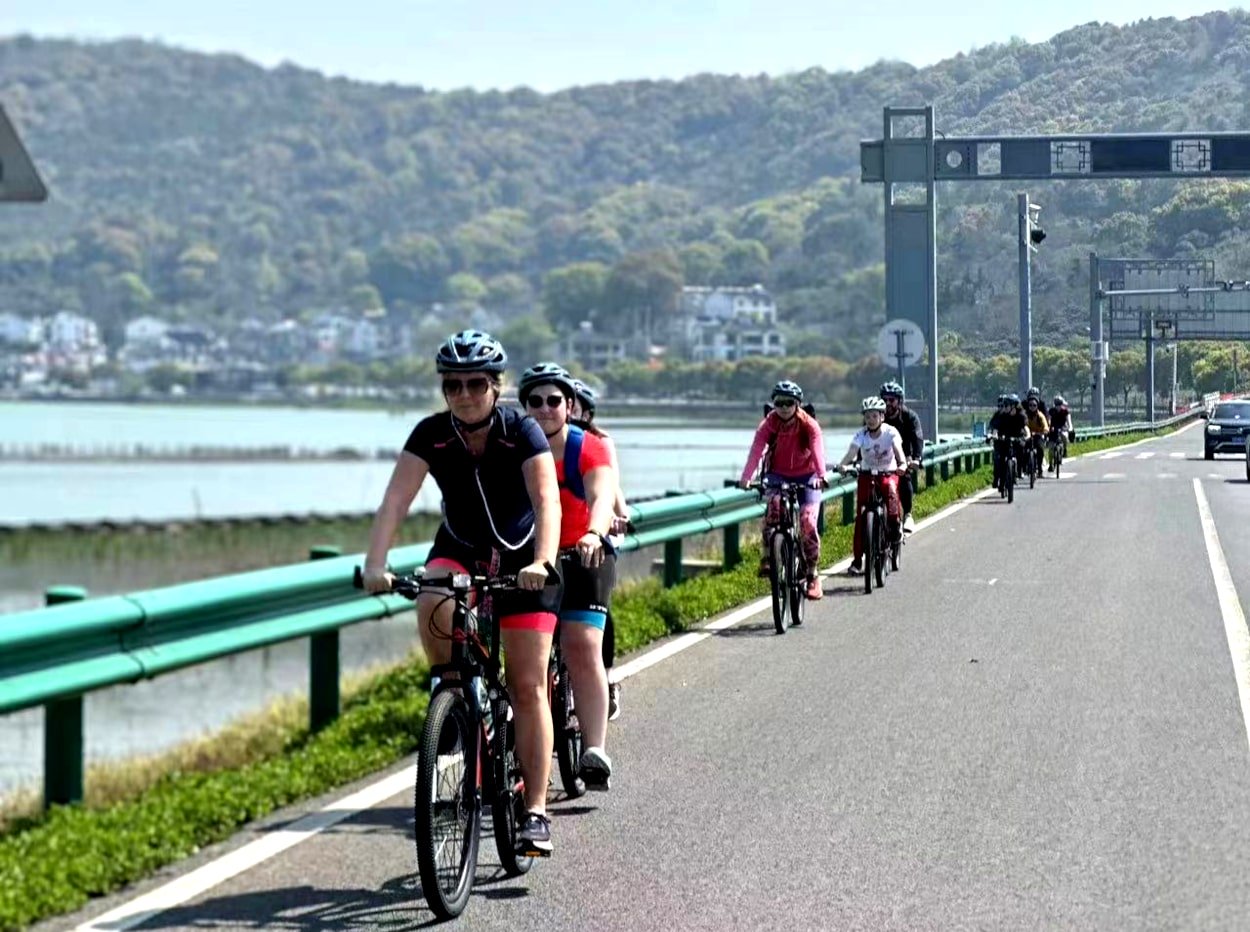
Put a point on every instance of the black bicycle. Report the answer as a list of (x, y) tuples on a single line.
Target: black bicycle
[(787, 571), (1033, 454), (1058, 450), (1005, 467), (565, 726), (467, 752), (882, 551)]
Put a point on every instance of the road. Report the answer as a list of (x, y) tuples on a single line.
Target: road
[(1035, 725)]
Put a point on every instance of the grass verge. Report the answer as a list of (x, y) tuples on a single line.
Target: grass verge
[(54, 863)]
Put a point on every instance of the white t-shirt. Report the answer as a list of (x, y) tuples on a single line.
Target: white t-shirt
[(880, 452)]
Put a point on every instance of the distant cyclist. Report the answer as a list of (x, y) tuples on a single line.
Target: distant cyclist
[(501, 515), (795, 453), (1039, 426), (1010, 426), (588, 561), (1060, 417), (585, 408), (907, 423), (878, 446)]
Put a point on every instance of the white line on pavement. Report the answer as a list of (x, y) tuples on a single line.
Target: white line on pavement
[(1166, 475), (1110, 456), (178, 891), (189, 886), (1145, 456), (1230, 605), (1177, 454), (1113, 475)]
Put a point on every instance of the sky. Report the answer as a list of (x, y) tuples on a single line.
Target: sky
[(552, 44)]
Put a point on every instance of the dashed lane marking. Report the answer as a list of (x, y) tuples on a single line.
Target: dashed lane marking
[(1113, 475)]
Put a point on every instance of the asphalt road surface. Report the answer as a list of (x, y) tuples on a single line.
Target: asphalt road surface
[(1036, 724)]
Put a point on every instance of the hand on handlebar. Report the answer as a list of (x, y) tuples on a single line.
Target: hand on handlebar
[(532, 577), (377, 579), (744, 484)]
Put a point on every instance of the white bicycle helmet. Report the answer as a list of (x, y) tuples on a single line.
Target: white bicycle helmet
[(873, 403)]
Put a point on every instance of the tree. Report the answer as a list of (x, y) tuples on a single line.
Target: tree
[(465, 290), (641, 293), (410, 269), (574, 293), (528, 340)]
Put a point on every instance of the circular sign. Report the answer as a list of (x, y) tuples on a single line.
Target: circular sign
[(900, 341)]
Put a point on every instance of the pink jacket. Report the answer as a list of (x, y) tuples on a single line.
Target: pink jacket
[(798, 447)]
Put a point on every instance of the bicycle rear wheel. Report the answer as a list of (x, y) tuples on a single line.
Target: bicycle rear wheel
[(448, 811), (1058, 460), (798, 583), (779, 552), (507, 803), (880, 548), (870, 544), (1011, 484), (568, 734), (1034, 469)]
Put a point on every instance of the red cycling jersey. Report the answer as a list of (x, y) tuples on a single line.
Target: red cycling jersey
[(574, 511)]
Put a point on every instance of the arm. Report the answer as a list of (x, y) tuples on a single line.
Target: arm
[(917, 433), (406, 479), (851, 454), (540, 481), (600, 496), (900, 458), (619, 506), (818, 451), (757, 450)]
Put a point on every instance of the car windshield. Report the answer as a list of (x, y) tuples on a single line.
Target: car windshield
[(1238, 412)]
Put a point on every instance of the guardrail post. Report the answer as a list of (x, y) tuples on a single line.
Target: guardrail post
[(62, 729), (731, 552), (848, 507), (930, 476), (672, 555), (323, 664), (946, 470)]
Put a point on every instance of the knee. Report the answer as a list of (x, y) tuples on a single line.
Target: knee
[(526, 694), (584, 652)]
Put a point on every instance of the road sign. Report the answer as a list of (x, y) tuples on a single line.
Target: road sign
[(900, 343), (18, 179)]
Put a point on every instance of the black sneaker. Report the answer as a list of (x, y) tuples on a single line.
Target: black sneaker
[(534, 836)]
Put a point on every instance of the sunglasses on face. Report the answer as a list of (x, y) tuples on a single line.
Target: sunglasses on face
[(477, 386), (536, 402), (784, 403)]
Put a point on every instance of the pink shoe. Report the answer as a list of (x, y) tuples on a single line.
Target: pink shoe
[(814, 590)]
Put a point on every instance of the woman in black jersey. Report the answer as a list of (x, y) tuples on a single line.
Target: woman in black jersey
[(501, 515)]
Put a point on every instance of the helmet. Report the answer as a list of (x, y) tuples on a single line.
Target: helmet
[(892, 390), (1033, 392), (545, 373), (1002, 398), (1058, 401), (787, 389), (873, 403), (1013, 398), (585, 395), (471, 351)]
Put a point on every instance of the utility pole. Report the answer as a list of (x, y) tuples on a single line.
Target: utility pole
[(1098, 349), (1026, 297)]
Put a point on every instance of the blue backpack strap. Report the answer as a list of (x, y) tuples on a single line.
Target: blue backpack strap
[(572, 458)]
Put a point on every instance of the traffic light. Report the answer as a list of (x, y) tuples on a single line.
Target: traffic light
[(1036, 233)]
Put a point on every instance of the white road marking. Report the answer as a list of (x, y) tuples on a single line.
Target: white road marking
[(1067, 475), (1145, 456), (1113, 475), (1177, 454), (1110, 456), (1166, 475), (1230, 605), (178, 891), (1214, 475), (992, 581)]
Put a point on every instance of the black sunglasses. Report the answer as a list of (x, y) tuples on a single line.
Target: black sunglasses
[(536, 401), (476, 386), (784, 403)]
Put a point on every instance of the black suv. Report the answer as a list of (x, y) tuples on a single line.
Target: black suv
[(1227, 427)]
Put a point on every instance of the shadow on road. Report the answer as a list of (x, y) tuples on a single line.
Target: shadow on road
[(378, 820)]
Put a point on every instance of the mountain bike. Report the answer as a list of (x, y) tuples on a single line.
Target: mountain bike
[(883, 552), (1058, 450), (565, 726), (787, 572), (1005, 467), (1033, 454), (467, 751)]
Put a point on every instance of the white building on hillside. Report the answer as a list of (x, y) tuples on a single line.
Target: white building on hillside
[(16, 330), (69, 332), (728, 324)]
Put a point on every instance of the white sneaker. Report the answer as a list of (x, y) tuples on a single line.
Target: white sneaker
[(614, 701), (595, 769), (908, 524)]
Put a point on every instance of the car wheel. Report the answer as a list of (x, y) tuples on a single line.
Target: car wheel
[(1208, 454)]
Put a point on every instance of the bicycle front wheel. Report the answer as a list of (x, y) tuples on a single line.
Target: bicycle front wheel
[(448, 812), (880, 548), (870, 549), (798, 583), (779, 552)]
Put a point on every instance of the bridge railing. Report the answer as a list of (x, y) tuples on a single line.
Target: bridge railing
[(54, 655)]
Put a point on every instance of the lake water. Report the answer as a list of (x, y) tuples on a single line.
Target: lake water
[(657, 454)]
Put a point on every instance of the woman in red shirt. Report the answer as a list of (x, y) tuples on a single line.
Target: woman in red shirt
[(796, 453), (588, 485)]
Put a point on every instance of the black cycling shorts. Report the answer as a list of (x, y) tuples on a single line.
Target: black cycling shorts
[(587, 590)]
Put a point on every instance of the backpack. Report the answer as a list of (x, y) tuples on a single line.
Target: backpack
[(572, 457)]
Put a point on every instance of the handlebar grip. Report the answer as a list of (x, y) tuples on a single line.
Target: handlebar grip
[(553, 575), (358, 578)]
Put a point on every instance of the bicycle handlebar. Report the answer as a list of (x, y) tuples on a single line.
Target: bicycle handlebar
[(410, 585)]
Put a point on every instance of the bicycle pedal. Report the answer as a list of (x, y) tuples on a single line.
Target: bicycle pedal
[(532, 851)]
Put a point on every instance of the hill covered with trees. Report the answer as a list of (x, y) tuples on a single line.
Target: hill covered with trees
[(206, 188)]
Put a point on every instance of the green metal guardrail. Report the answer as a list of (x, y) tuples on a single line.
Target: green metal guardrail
[(53, 656)]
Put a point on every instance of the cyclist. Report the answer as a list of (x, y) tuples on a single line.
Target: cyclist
[(1039, 426), (1008, 425), (588, 488), (907, 423), (879, 446), (501, 515), (1060, 416), (585, 405), (796, 453)]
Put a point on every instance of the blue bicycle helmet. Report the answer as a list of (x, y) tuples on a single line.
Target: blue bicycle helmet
[(471, 351)]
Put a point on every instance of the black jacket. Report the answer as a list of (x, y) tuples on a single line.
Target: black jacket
[(907, 423)]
